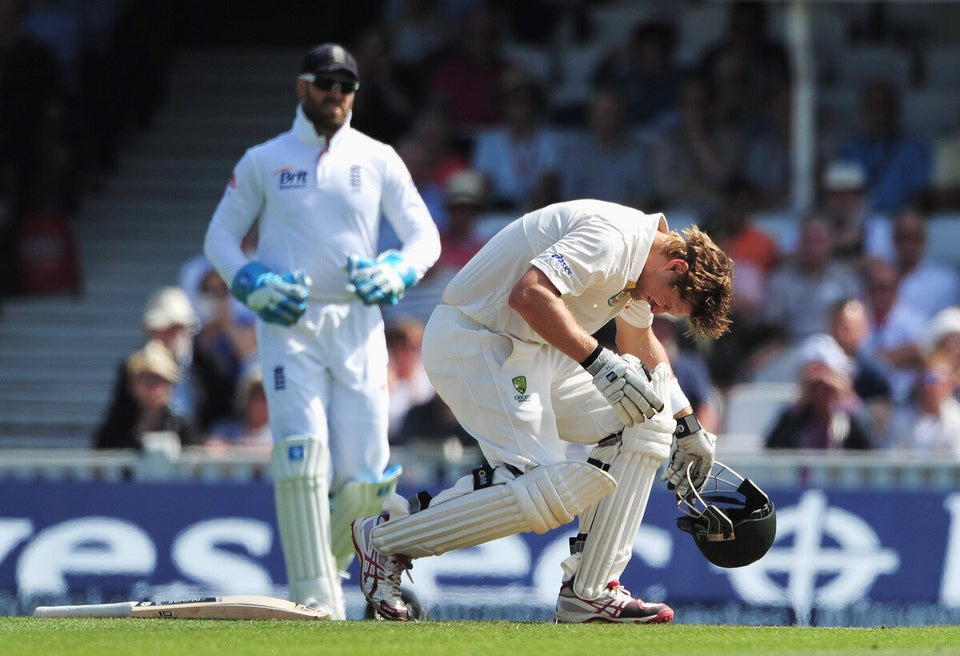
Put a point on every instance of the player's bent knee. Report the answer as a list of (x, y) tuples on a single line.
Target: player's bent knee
[(542, 499)]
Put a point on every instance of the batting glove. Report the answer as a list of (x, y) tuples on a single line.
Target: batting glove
[(382, 281), (275, 298), (625, 382), (693, 447)]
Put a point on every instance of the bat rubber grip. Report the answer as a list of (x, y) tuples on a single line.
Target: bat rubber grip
[(119, 609)]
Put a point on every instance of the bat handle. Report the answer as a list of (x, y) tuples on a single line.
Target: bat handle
[(119, 609)]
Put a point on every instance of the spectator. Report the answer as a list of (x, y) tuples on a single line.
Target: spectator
[(738, 235), (432, 130), (926, 286), (520, 156), (416, 157), (850, 327), (607, 162), (827, 413), (748, 67), (944, 191), (31, 97), (942, 335), (896, 331), (646, 71), (897, 164), (465, 84), (152, 373), (802, 291), (859, 233), (420, 30), (169, 318), (406, 378), (392, 92), (769, 152), (465, 198), (464, 201), (225, 343), (931, 423), (251, 425), (694, 159)]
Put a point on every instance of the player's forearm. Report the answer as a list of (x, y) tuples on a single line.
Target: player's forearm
[(643, 343), (543, 309)]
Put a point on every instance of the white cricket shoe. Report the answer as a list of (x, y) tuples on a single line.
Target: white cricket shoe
[(380, 574), (614, 605)]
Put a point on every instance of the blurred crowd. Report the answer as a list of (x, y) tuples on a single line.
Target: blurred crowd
[(841, 300), (77, 78)]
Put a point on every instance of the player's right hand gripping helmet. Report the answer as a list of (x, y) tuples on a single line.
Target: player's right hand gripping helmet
[(733, 521)]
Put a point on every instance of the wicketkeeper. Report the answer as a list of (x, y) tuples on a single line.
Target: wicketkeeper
[(510, 350), (316, 194)]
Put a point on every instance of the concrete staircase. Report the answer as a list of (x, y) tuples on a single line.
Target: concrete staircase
[(58, 355)]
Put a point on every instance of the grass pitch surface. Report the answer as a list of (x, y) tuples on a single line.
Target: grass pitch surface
[(27, 636)]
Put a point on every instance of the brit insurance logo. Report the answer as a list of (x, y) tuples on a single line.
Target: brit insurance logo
[(288, 178), (520, 385)]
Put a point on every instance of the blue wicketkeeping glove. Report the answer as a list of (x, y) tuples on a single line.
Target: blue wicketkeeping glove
[(382, 281), (275, 298)]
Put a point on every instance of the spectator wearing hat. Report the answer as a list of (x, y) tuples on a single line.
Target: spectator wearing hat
[(827, 413), (930, 424), (859, 233), (251, 427), (152, 373), (168, 319), (942, 336), (520, 156)]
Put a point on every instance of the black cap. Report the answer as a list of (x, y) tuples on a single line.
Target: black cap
[(327, 58)]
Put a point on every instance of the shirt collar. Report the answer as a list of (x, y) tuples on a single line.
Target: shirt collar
[(303, 129)]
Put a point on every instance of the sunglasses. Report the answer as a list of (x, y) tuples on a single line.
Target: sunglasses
[(329, 83)]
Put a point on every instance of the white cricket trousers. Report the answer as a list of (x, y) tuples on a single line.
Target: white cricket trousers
[(519, 400), (326, 376)]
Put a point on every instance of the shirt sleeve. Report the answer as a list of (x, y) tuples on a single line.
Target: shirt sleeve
[(239, 207), (408, 215), (638, 314)]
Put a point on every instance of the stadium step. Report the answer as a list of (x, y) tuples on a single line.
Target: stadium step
[(59, 354)]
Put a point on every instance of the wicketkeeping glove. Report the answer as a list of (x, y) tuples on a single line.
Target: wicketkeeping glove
[(275, 298), (692, 446), (625, 382), (382, 281)]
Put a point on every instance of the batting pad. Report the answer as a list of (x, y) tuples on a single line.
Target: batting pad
[(542, 499), (300, 466), (356, 499), (611, 525)]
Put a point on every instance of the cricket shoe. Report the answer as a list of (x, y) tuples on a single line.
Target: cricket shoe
[(615, 604), (379, 573)]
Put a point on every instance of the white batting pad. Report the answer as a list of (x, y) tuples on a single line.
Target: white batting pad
[(611, 525), (356, 499), (542, 499), (300, 466)]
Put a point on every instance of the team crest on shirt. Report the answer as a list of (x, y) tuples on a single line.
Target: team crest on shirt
[(520, 385), (616, 298), (289, 178)]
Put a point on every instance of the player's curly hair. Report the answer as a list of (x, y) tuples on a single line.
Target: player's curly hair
[(708, 284)]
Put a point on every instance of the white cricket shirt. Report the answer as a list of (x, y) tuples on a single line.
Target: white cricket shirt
[(319, 202), (591, 250)]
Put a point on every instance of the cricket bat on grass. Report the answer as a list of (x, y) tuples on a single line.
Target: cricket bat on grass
[(229, 607)]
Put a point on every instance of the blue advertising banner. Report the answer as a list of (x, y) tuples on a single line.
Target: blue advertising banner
[(840, 557)]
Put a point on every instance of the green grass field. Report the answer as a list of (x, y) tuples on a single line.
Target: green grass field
[(27, 636)]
